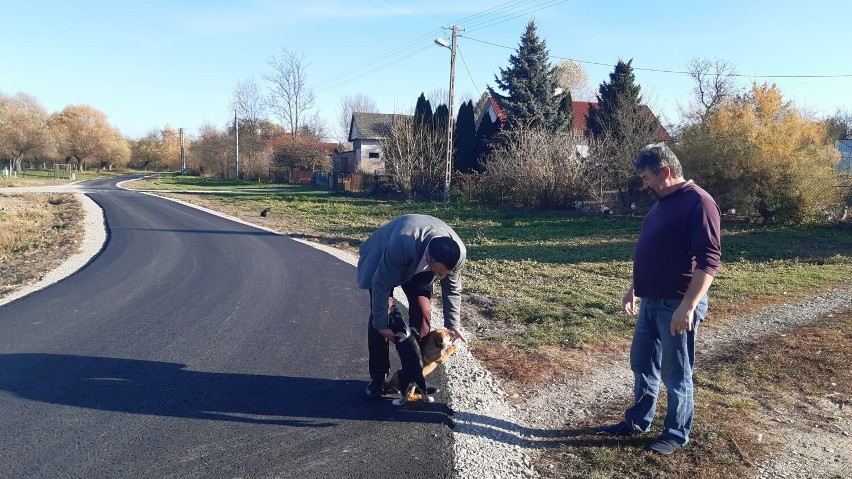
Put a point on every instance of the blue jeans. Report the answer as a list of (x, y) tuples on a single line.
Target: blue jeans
[(654, 355)]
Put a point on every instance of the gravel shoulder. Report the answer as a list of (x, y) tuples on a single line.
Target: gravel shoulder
[(501, 436)]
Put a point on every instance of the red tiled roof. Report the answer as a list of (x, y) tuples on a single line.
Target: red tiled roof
[(498, 110), (581, 116)]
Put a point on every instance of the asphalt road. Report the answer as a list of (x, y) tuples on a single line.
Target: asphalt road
[(193, 346)]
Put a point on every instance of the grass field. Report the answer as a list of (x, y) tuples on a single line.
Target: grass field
[(44, 177), (558, 275)]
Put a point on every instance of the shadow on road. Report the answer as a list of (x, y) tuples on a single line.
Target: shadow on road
[(167, 389)]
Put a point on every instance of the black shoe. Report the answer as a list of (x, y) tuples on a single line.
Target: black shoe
[(622, 429), (375, 389), (664, 446)]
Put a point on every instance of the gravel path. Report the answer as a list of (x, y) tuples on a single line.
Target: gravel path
[(494, 438)]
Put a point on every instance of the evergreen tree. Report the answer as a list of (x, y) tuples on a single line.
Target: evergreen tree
[(440, 118), (486, 136), (619, 102), (530, 84), (422, 112), (464, 138), (619, 126)]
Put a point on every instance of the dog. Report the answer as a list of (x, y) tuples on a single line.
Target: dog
[(410, 358), (435, 348)]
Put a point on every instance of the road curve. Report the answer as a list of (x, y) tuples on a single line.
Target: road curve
[(193, 346)]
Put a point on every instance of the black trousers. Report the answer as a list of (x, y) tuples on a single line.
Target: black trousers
[(420, 286)]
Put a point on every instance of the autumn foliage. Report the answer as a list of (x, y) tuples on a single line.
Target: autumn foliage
[(762, 157)]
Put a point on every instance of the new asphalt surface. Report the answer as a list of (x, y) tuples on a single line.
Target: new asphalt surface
[(197, 347)]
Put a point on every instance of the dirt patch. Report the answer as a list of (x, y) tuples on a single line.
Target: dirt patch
[(39, 233)]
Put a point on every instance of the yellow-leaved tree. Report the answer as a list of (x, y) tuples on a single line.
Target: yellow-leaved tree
[(764, 158), (88, 138)]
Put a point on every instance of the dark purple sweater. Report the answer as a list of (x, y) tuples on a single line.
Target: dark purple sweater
[(679, 234)]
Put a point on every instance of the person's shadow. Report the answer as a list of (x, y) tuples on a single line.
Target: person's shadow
[(167, 389)]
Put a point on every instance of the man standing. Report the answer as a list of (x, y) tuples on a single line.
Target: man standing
[(411, 251), (674, 262)]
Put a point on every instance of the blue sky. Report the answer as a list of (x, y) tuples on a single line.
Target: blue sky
[(147, 64)]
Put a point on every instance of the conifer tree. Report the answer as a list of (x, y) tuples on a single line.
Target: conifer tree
[(465, 138), (619, 102), (618, 127), (530, 84), (486, 136), (422, 111), (440, 118)]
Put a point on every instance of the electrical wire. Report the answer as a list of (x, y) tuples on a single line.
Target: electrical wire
[(658, 70), (500, 13), (458, 50)]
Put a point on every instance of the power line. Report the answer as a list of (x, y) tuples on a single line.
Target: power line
[(657, 70), (481, 20), (467, 69), (513, 15)]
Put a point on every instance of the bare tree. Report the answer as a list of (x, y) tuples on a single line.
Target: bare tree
[(415, 156), (438, 96), (250, 105), (715, 82), (571, 77), (609, 166), (532, 166), (360, 103), (212, 154), (839, 125), (290, 98)]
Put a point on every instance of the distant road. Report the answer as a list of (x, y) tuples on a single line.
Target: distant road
[(197, 347)]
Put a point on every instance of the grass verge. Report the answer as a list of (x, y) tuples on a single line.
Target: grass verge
[(43, 178), (799, 379), (37, 232)]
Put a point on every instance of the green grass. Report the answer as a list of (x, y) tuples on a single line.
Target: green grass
[(172, 181), (559, 274), (44, 177)]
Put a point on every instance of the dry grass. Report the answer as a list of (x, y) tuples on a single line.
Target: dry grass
[(37, 233), (736, 396)]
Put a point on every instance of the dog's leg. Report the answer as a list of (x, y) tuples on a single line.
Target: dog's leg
[(421, 384), (407, 395)]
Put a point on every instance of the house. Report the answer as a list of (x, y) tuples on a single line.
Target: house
[(844, 167), (581, 117), (365, 132)]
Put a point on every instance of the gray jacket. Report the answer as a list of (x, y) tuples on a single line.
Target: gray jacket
[(390, 257)]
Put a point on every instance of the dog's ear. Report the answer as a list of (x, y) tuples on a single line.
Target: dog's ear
[(396, 317)]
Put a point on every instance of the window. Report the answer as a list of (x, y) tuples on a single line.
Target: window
[(374, 155)]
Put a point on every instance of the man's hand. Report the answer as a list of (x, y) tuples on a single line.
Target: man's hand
[(681, 319), (457, 334), (389, 335), (628, 302)]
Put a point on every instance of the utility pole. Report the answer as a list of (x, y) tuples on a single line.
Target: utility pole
[(449, 167), (236, 147), (182, 154)]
